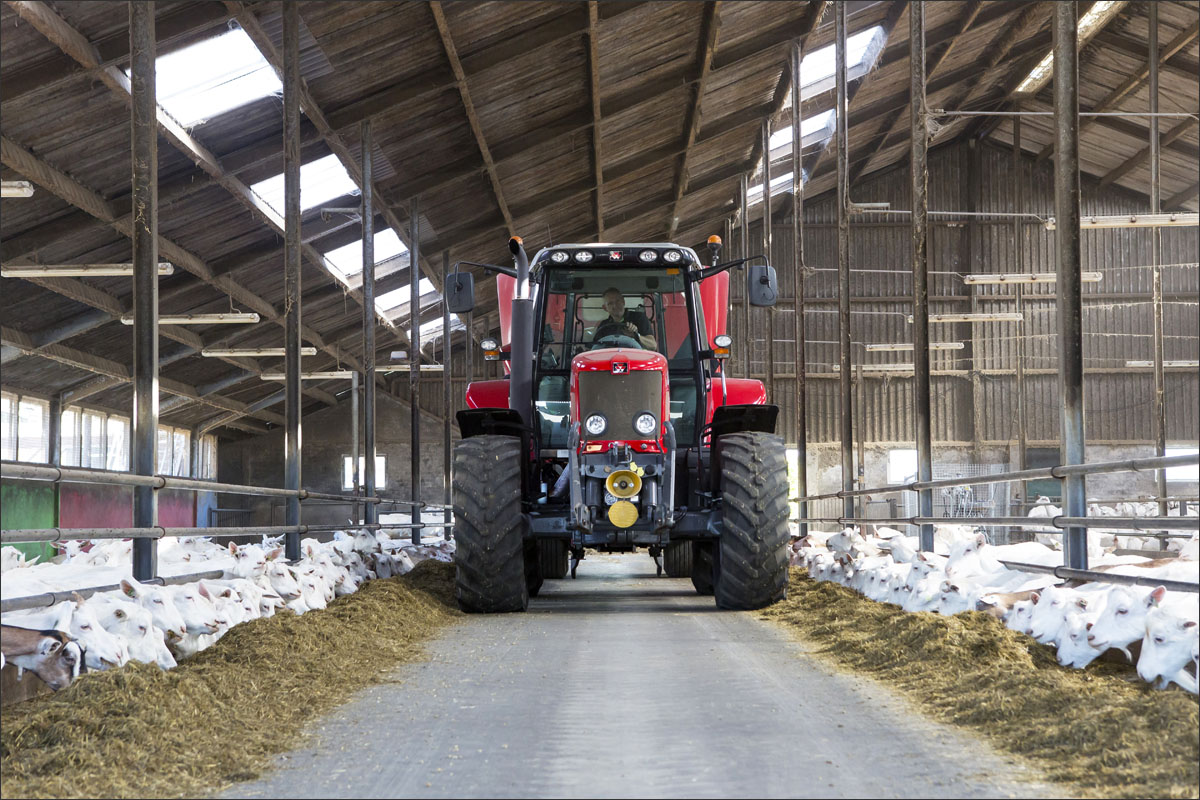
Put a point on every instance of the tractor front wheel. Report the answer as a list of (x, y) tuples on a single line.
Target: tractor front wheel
[(677, 559), (702, 567), (554, 557), (489, 528), (752, 562)]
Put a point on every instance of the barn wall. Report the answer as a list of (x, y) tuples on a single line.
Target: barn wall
[(976, 405)]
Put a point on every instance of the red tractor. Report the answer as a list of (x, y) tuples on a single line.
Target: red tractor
[(617, 428)]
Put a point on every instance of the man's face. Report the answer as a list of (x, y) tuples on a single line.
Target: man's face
[(614, 304)]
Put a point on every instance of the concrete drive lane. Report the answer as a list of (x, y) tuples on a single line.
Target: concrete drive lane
[(621, 684)]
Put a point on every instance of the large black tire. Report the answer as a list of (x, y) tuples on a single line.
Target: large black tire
[(555, 558), (752, 551), (489, 528), (702, 567), (677, 560)]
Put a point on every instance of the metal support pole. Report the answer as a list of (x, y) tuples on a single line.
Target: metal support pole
[(354, 436), (194, 452), (144, 140), (1160, 407), (843, 251), (920, 264), (860, 473), (1019, 264), (766, 237), (447, 403), (744, 241), (801, 364), (414, 364), (1070, 303), (291, 270), (470, 345), (370, 512)]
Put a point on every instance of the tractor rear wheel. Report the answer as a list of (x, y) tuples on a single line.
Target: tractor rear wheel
[(702, 567), (489, 528), (752, 557), (554, 557), (534, 576)]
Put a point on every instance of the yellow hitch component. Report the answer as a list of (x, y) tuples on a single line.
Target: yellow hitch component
[(622, 513), (623, 483)]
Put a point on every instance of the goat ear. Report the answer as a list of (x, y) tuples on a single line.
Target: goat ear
[(118, 613), (1081, 602), (1156, 596), (233, 548), (1191, 623), (79, 601), (128, 588), (203, 590), (1035, 597), (49, 646), (980, 538), (274, 554), (1089, 626)]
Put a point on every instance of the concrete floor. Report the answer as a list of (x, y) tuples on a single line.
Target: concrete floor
[(621, 684)]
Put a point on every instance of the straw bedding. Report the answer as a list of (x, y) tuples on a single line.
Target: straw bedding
[(219, 716), (1101, 731)]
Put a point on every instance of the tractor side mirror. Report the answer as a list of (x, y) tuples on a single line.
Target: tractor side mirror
[(762, 288), (460, 292)]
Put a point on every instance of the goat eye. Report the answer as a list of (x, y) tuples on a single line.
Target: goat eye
[(1159, 640), (1122, 610), (85, 627), (158, 601)]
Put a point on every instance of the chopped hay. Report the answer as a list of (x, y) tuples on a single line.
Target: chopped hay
[(219, 716), (1102, 730)]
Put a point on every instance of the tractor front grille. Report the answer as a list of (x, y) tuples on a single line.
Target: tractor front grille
[(620, 398)]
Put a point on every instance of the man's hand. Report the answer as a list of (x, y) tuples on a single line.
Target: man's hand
[(631, 328)]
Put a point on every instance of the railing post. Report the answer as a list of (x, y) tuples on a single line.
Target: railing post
[(1070, 304), (291, 270), (766, 238), (843, 255), (744, 245), (354, 447), (801, 367), (920, 265), (414, 367), (144, 137)]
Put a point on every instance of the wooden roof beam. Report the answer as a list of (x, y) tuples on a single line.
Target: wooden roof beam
[(1177, 200), (710, 30), (56, 29), (460, 77), (1133, 161), (1133, 82), (1177, 63)]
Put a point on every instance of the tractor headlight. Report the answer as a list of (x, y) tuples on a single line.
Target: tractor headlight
[(489, 344), (583, 256), (648, 256), (672, 256), (559, 257), (645, 423), (596, 424)]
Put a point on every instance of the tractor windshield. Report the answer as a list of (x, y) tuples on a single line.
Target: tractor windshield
[(594, 308)]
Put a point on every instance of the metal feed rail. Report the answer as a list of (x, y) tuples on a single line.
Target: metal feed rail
[(53, 598)]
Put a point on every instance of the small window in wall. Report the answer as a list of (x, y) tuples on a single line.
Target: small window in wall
[(117, 429), (94, 439), (174, 454), (208, 458), (24, 428), (901, 466), (1188, 474), (348, 471)]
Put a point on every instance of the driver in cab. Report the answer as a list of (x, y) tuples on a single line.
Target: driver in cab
[(633, 324)]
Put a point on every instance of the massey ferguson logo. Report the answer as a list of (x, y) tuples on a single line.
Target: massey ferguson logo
[(614, 255), (620, 368)]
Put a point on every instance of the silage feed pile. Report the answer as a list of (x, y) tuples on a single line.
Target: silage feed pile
[(219, 717), (1100, 731)]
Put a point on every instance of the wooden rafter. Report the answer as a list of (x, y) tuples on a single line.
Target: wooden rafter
[(1177, 132), (464, 91), (75, 44), (1132, 83), (710, 31)]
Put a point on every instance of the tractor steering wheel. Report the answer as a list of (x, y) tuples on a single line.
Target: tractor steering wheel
[(617, 340)]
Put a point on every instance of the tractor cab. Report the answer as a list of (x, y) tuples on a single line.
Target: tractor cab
[(617, 428)]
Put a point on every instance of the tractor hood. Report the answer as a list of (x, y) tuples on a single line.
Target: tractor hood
[(618, 360), (620, 385)]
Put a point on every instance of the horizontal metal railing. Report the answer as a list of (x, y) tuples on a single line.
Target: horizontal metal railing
[(1096, 576), (47, 599), (1095, 468)]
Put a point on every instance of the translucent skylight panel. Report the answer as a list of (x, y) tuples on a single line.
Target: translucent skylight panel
[(398, 297), (320, 181), (778, 185), (815, 124), (1096, 18), (211, 77), (347, 259), (816, 70)]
